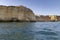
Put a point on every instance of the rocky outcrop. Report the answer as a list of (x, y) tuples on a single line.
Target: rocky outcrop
[(25, 14), (16, 13), (42, 18), (48, 18)]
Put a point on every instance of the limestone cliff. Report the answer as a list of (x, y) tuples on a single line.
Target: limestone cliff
[(16, 13), (42, 18)]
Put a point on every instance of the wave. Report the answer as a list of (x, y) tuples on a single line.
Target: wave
[(47, 33)]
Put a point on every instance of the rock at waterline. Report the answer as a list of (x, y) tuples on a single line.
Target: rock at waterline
[(16, 13)]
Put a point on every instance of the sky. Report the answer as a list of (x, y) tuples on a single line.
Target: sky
[(39, 7)]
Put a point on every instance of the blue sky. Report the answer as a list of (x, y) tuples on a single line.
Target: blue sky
[(39, 7)]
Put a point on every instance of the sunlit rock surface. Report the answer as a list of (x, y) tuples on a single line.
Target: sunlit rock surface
[(16, 13)]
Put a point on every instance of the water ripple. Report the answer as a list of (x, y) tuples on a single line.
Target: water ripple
[(46, 33)]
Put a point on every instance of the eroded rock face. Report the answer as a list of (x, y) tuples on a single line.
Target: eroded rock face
[(14, 13), (25, 14)]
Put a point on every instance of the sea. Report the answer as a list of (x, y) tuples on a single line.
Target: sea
[(29, 30)]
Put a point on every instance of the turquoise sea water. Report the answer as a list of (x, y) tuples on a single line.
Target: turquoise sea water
[(30, 31)]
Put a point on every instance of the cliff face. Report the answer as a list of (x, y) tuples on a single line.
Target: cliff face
[(25, 14), (14, 13), (43, 18)]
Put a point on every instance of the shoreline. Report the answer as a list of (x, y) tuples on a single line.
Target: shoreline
[(23, 14)]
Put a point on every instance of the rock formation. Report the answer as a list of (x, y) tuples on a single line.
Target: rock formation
[(42, 18), (16, 13)]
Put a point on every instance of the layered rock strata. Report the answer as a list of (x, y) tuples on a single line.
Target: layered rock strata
[(16, 13)]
